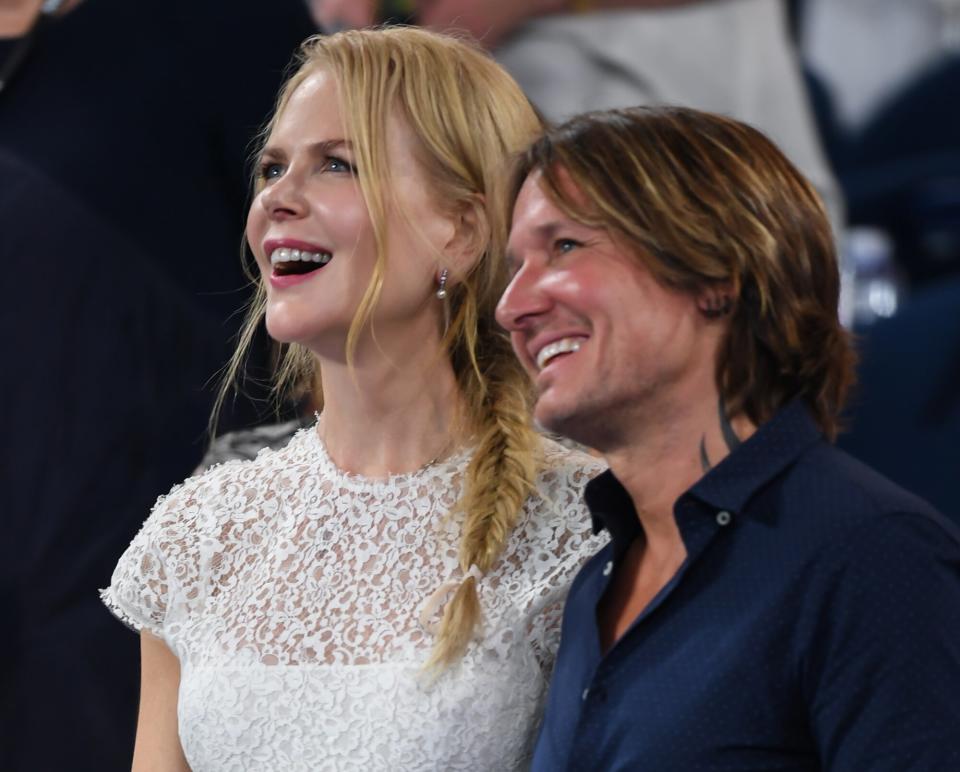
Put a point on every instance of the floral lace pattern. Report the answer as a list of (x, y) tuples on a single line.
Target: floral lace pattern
[(291, 593)]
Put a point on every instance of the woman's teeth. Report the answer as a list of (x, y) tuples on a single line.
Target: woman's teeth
[(562, 346), (285, 255)]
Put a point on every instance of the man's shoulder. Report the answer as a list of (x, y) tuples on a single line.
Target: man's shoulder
[(828, 471), (836, 493)]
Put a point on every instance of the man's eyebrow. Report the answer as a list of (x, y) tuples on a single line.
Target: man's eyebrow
[(546, 231), (549, 229)]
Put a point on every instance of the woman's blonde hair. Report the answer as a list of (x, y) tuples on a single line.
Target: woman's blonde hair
[(469, 117)]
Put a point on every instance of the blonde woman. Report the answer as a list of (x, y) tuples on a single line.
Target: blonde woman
[(384, 592)]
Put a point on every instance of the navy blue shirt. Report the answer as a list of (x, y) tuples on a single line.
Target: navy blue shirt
[(815, 625)]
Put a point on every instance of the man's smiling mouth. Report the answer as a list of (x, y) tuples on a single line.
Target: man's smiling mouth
[(557, 348)]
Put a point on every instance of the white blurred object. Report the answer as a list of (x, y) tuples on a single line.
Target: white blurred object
[(871, 285), (865, 50), (733, 57)]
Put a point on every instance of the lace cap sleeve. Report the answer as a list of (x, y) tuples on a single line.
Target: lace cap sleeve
[(159, 572)]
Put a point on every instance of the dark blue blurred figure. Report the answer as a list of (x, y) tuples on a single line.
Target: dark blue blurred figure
[(124, 133), (893, 141), (902, 171), (905, 417), (899, 169)]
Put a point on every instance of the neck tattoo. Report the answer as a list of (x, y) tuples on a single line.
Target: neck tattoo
[(729, 437)]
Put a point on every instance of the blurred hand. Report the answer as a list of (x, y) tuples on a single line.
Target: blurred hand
[(335, 15), (489, 21)]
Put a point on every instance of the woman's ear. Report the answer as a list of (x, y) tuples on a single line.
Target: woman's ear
[(471, 235)]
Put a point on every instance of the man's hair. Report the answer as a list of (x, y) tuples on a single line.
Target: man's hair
[(707, 201)]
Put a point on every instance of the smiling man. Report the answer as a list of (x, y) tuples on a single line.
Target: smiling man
[(766, 601)]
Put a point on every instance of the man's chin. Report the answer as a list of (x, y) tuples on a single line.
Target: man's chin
[(567, 421)]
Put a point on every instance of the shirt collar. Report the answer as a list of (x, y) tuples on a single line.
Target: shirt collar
[(728, 486)]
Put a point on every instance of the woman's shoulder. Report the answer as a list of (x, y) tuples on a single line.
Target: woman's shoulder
[(557, 506), (246, 444), (240, 484), (556, 535)]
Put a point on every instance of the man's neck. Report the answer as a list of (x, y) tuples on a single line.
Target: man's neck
[(671, 448)]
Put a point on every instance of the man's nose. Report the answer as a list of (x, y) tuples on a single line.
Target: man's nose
[(523, 300)]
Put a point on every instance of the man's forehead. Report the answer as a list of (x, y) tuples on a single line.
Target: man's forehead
[(536, 208), (561, 178)]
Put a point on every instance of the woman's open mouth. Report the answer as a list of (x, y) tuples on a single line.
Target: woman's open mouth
[(297, 262)]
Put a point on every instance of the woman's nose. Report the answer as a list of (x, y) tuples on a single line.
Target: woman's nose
[(284, 198)]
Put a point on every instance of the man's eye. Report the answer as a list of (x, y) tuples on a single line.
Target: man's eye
[(562, 246)]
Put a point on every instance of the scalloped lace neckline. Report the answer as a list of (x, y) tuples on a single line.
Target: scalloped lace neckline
[(440, 467)]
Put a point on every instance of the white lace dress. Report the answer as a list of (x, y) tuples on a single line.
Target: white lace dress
[(292, 592)]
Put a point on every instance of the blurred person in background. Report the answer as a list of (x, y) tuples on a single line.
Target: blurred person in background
[(124, 131), (734, 57), (868, 50), (885, 75)]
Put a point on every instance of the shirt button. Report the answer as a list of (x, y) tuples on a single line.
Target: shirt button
[(586, 693), (723, 517), (608, 568)]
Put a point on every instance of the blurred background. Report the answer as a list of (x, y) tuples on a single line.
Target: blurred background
[(125, 137)]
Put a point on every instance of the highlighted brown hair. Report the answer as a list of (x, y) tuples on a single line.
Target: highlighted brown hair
[(706, 200)]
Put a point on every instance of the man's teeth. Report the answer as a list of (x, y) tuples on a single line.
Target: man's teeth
[(562, 346), (285, 255)]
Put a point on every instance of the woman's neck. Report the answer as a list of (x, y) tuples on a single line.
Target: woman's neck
[(391, 415)]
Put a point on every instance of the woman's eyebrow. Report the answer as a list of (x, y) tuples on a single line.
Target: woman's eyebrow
[(315, 148)]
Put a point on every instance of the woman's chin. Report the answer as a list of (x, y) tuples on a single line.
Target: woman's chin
[(324, 337), (284, 329)]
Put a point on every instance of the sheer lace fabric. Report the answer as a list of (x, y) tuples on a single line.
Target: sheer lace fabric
[(291, 593)]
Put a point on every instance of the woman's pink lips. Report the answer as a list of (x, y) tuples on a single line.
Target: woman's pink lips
[(305, 246)]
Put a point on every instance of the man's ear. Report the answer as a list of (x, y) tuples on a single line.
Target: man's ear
[(471, 235), (716, 300)]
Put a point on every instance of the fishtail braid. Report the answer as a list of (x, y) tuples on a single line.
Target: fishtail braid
[(500, 477)]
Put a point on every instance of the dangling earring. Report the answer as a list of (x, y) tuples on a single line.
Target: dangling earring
[(442, 289)]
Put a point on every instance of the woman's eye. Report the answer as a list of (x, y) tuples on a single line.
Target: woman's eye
[(336, 164), (270, 170)]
